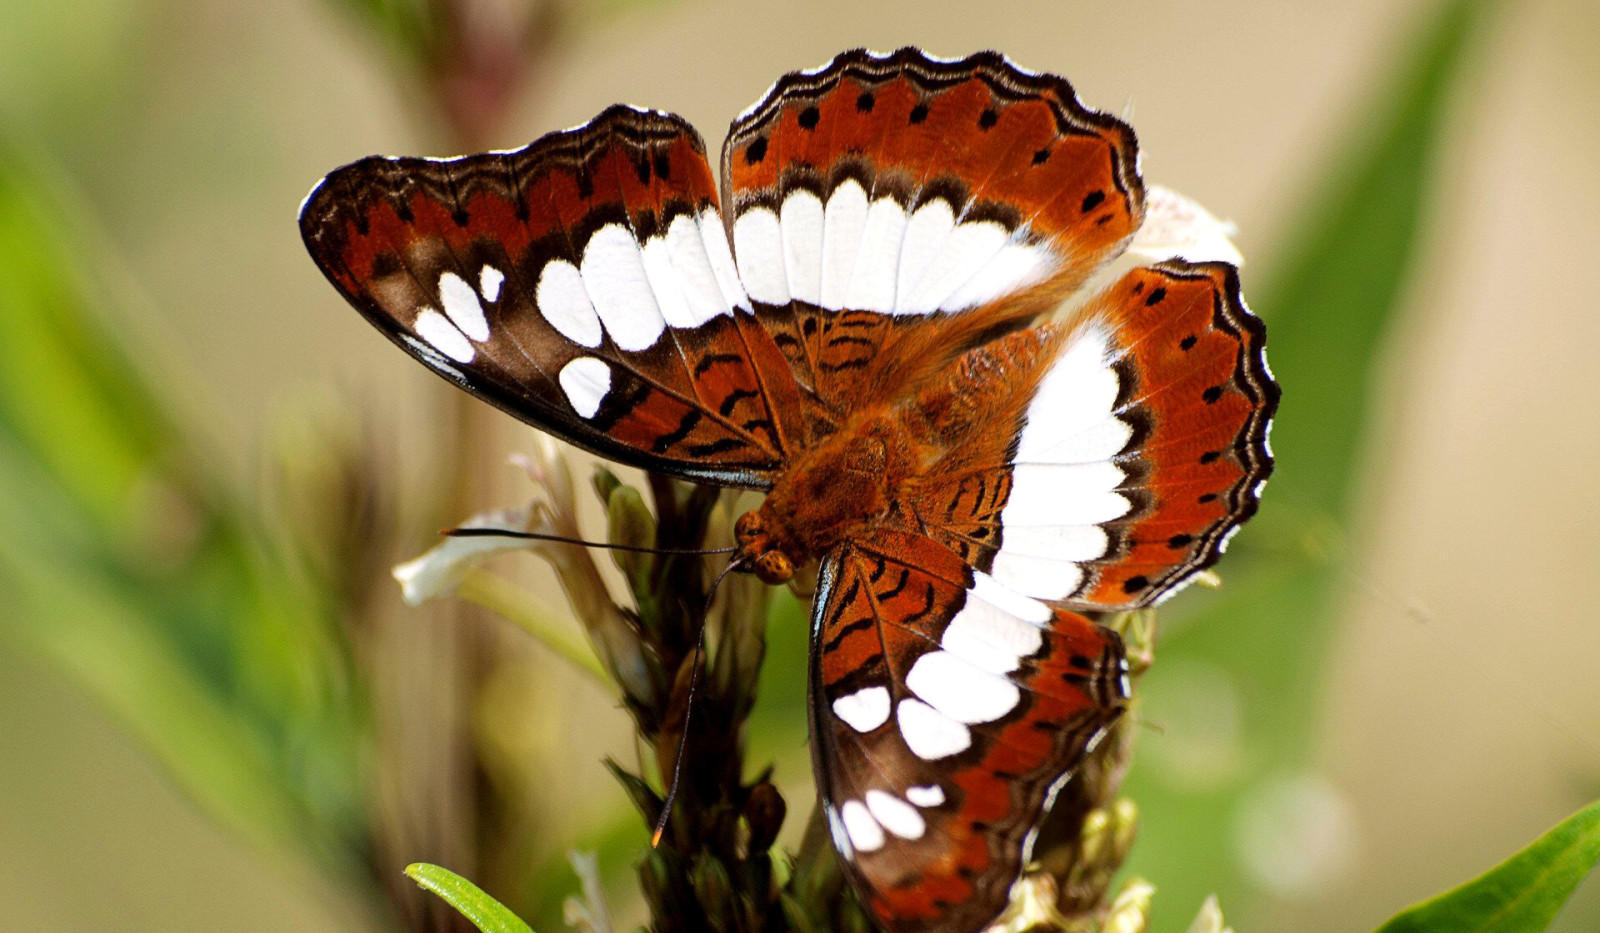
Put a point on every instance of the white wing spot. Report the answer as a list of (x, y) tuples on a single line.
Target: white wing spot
[(586, 381), (864, 710), (842, 227), (925, 796), (1017, 266), (721, 257), (462, 307), (801, 219), (758, 247), (969, 248), (665, 283), (926, 231), (987, 636), (489, 282), (930, 734), (960, 689), (697, 276), (896, 815), (442, 335), (619, 288), (1043, 577), (873, 281), (1029, 610), (564, 302), (864, 832), (1072, 418)]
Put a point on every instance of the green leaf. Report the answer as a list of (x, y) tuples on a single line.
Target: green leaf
[(1521, 894), (1337, 289), (486, 913)]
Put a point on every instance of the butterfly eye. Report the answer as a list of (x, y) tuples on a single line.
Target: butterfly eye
[(748, 527), (774, 567)]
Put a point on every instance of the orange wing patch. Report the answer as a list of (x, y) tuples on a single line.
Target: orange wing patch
[(1204, 398), (891, 212)]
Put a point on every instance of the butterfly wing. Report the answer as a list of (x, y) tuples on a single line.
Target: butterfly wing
[(1141, 449), (946, 711), (583, 284), (890, 211), (1090, 464)]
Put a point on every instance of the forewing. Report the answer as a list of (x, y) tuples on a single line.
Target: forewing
[(1130, 444), (889, 211), (583, 284), (946, 711)]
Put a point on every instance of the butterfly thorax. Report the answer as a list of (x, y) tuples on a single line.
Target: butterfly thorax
[(834, 491)]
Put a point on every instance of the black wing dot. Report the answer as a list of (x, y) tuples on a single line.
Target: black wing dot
[(1212, 394), (1177, 541), (1042, 156), (865, 102), (1093, 200), (756, 151), (988, 119), (809, 118), (919, 113), (1135, 584), (1210, 456), (1155, 297), (1188, 342)]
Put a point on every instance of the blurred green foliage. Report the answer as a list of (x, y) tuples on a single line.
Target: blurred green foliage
[(131, 566), (1328, 309)]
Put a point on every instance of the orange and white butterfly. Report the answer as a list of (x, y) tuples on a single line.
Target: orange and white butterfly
[(853, 326)]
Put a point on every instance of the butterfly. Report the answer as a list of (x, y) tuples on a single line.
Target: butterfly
[(859, 325)]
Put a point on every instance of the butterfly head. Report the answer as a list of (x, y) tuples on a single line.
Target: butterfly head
[(761, 550)]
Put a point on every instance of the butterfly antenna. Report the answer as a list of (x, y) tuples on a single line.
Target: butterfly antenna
[(563, 539), (688, 708)]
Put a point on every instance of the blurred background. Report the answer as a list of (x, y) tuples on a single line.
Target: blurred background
[(215, 712)]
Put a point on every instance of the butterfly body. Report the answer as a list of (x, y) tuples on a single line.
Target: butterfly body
[(853, 326), (832, 493)]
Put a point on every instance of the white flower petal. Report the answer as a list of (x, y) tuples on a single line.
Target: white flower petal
[(1178, 227), (442, 568)]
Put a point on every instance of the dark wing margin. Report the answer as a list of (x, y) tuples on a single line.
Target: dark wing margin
[(583, 284)]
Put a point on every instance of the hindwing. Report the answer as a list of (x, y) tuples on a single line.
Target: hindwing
[(946, 709), (1136, 447)]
